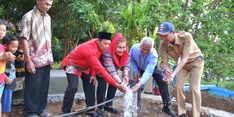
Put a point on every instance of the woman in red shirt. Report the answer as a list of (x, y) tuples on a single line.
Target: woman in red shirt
[(113, 59)]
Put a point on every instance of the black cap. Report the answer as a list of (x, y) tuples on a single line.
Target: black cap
[(104, 35)]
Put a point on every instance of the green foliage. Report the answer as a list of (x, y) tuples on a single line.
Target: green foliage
[(13, 10), (56, 65), (57, 46), (1, 10), (106, 26)]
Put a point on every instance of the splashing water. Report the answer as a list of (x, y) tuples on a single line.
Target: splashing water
[(130, 103)]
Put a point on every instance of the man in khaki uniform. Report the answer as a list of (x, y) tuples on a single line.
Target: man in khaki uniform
[(183, 49)]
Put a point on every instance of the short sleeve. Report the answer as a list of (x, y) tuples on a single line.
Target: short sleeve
[(187, 44), (26, 27)]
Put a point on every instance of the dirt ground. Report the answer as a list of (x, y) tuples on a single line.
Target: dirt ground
[(150, 108), (213, 101)]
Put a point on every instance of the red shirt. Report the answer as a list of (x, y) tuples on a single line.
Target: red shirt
[(86, 57)]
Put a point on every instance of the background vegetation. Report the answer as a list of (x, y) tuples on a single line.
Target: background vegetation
[(74, 21)]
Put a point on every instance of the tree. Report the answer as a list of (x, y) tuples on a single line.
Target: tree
[(209, 21)]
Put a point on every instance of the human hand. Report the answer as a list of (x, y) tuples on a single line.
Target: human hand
[(9, 56), (136, 76), (30, 67), (137, 87), (169, 76), (168, 72), (121, 87), (8, 80), (125, 80), (93, 80)]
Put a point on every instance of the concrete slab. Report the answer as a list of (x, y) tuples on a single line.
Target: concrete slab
[(58, 82)]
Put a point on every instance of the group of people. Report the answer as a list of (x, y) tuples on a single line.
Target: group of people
[(99, 60), (11, 69)]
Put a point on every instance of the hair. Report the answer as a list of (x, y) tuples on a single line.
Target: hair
[(8, 39), (148, 41), (121, 40)]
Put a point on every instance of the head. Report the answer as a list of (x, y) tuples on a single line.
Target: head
[(166, 31), (121, 46), (147, 43), (44, 5), (104, 40), (2, 29), (11, 43), (20, 45)]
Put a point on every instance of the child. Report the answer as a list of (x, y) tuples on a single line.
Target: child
[(11, 45), (2, 63), (20, 68), (18, 94)]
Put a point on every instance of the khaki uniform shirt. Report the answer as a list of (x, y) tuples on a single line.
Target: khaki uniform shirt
[(184, 45), (36, 28)]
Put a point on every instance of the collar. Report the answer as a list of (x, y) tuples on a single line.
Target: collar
[(177, 40), (37, 11), (96, 41)]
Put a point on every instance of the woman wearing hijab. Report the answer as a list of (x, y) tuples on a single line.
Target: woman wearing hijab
[(113, 59)]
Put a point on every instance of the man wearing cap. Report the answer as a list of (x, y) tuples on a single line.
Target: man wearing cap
[(84, 62), (182, 48), (143, 58)]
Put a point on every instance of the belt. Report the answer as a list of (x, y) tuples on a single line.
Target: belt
[(81, 69), (200, 58)]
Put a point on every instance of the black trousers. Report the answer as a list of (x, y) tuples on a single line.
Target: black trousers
[(36, 91), (89, 90), (70, 92), (110, 94), (163, 87), (101, 92)]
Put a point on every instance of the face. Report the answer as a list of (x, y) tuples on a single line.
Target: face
[(145, 49), (2, 31), (103, 44), (120, 48), (44, 5), (167, 38), (13, 46)]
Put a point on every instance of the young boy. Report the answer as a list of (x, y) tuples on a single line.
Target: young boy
[(20, 68), (2, 62), (18, 92), (11, 45)]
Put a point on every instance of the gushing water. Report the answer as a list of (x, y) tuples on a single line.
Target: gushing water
[(130, 103)]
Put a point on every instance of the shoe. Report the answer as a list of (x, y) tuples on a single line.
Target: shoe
[(45, 114), (92, 114), (167, 110), (111, 109), (101, 112), (183, 115)]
